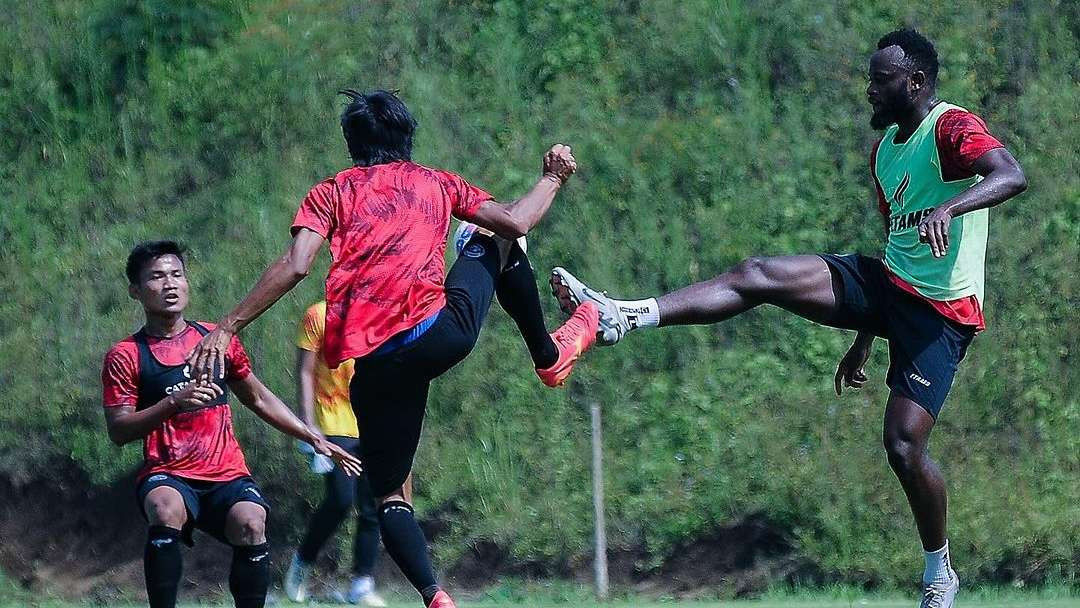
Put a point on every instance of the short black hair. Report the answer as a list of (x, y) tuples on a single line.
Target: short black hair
[(917, 50), (146, 252), (377, 126)]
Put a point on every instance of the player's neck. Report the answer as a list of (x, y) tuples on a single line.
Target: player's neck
[(165, 325), (911, 122)]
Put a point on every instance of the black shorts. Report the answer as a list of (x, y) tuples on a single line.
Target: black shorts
[(389, 391), (207, 502), (924, 347)]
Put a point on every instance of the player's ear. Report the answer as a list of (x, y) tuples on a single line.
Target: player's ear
[(133, 291), (917, 80)]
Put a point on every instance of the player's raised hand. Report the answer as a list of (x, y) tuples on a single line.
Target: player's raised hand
[(559, 162), (934, 230), (196, 395), (209, 354)]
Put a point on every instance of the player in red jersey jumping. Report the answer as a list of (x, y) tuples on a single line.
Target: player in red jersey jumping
[(194, 474), (389, 307)]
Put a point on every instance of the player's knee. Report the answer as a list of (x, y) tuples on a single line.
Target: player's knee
[(751, 273), (166, 511), (247, 527), (253, 530), (903, 453)]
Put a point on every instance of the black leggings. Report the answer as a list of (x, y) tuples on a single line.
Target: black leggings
[(342, 493), (389, 391)]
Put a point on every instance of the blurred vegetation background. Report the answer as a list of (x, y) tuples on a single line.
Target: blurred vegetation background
[(706, 131)]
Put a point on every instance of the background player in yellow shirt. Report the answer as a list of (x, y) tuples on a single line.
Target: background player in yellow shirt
[(323, 395)]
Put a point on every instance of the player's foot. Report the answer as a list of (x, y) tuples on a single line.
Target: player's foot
[(361, 592), (572, 339), (296, 580), (465, 231), (940, 595), (441, 600), (571, 293)]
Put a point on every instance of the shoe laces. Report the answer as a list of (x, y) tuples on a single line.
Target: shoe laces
[(571, 331), (934, 595)]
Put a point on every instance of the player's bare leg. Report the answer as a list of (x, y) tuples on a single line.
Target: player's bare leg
[(906, 434), (802, 284), (249, 576)]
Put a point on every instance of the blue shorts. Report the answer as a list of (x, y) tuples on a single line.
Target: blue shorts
[(925, 348), (207, 502)]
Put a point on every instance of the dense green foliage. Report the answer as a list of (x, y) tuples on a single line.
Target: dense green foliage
[(706, 131)]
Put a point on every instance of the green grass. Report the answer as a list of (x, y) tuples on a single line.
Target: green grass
[(790, 603), (561, 596)]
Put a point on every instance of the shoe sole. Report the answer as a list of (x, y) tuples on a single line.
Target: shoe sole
[(569, 293)]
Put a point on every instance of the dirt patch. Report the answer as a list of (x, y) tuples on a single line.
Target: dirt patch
[(736, 560), (67, 536), (70, 537)]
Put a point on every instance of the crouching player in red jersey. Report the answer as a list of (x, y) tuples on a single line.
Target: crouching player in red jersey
[(390, 308), (194, 475)]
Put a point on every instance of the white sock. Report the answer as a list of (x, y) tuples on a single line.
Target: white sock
[(640, 313), (938, 566)]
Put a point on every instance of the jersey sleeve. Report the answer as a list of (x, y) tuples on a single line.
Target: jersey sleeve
[(309, 333), (962, 138), (316, 211), (120, 378), (465, 198), (237, 362)]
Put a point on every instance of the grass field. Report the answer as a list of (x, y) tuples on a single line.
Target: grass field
[(1061, 597), (1016, 602)]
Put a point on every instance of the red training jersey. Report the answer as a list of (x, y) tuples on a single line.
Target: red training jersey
[(962, 138), (387, 226), (195, 445)]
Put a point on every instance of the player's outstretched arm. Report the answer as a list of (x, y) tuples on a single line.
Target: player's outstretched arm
[(259, 399), (126, 425), (518, 218), (279, 278), (1002, 179)]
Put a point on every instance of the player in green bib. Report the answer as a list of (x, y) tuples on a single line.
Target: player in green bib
[(937, 171)]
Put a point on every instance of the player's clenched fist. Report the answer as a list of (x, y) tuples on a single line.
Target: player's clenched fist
[(559, 162)]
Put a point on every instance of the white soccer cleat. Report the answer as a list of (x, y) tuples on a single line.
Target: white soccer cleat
[(940, 595), (296, 580), (466, 230), (570, 292), (362, 593)]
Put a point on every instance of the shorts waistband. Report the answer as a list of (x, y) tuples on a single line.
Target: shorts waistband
[(408, 336)]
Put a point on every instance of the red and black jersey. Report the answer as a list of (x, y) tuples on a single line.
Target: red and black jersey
[(387, 227), (198, 444)]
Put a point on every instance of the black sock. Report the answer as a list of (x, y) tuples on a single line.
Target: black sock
[(249, 577), (516, 289), (405, 543), (162, 565)]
